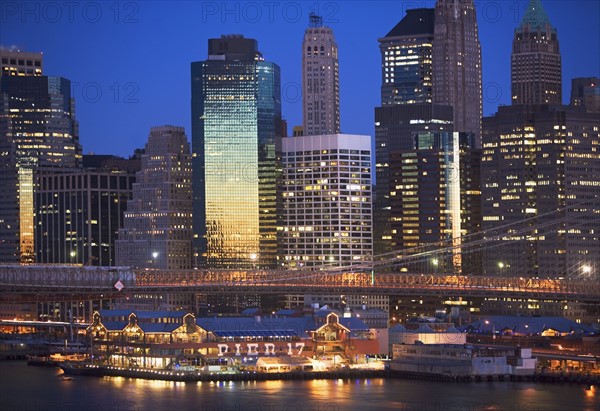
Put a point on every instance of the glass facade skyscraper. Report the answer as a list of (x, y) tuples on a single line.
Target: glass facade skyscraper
[(38, 131), (79, 211), (423, 192), (435, 199), (406, 108), (406, 53), (236, 116)]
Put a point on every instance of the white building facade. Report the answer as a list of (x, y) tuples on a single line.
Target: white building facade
[(326, 201)]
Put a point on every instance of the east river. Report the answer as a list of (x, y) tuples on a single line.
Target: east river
[(25, 387)]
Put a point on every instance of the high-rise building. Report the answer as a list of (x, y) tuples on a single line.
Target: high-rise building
[(436, 199), (536, 76), (236, 117), (406, 54), (80, 211), (457, 64), (38, 131), (326, 201), (326, 209), (157, 227), (320, 79), (396, 127), (406, 108), (540, 185), (20, 63), (430, 94), (585, 93)]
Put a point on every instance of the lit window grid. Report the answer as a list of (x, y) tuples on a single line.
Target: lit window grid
[(326, 220)]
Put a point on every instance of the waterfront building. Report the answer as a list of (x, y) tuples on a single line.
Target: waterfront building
[(580, 312), (447, 334), (462, 360), (536, 76), (80, 211), (457, 66), (320, 79), (514, 325), (157, 227), (236, 117), (162, 339), (540, 168), (38, 131)]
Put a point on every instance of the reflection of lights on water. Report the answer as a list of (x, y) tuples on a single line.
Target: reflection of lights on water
[(590, 391), (529, 391), (274, 384)]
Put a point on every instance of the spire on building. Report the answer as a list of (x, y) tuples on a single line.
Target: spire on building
[(535, 17), (536, 70), (314, 20)]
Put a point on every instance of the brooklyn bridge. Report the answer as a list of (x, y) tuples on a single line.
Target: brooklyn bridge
[(30, 283), (440, 269)]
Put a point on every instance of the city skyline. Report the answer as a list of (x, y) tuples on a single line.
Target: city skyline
[(113, 79)]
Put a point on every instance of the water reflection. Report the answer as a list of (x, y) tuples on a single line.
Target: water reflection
[(40, 388)]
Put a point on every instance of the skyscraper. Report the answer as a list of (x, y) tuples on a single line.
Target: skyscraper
[(540, 185), (396, 127), (457, 64), (320, 80), (157, 227), (436, 199), (536, 76), (79, 211), (406, 108), (326, 201), (406, 54), (38, 131), (236, 117), (540, 166)]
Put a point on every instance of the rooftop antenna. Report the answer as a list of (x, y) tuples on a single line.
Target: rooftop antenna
[(314, 20)]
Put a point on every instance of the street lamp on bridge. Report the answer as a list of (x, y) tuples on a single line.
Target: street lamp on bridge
[(586, 270)]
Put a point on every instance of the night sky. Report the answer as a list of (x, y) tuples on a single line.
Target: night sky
[(130, 61)]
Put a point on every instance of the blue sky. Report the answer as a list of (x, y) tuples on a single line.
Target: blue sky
[(130, 61)]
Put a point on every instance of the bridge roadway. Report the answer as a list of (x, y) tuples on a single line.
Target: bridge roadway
[(34, 281)]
